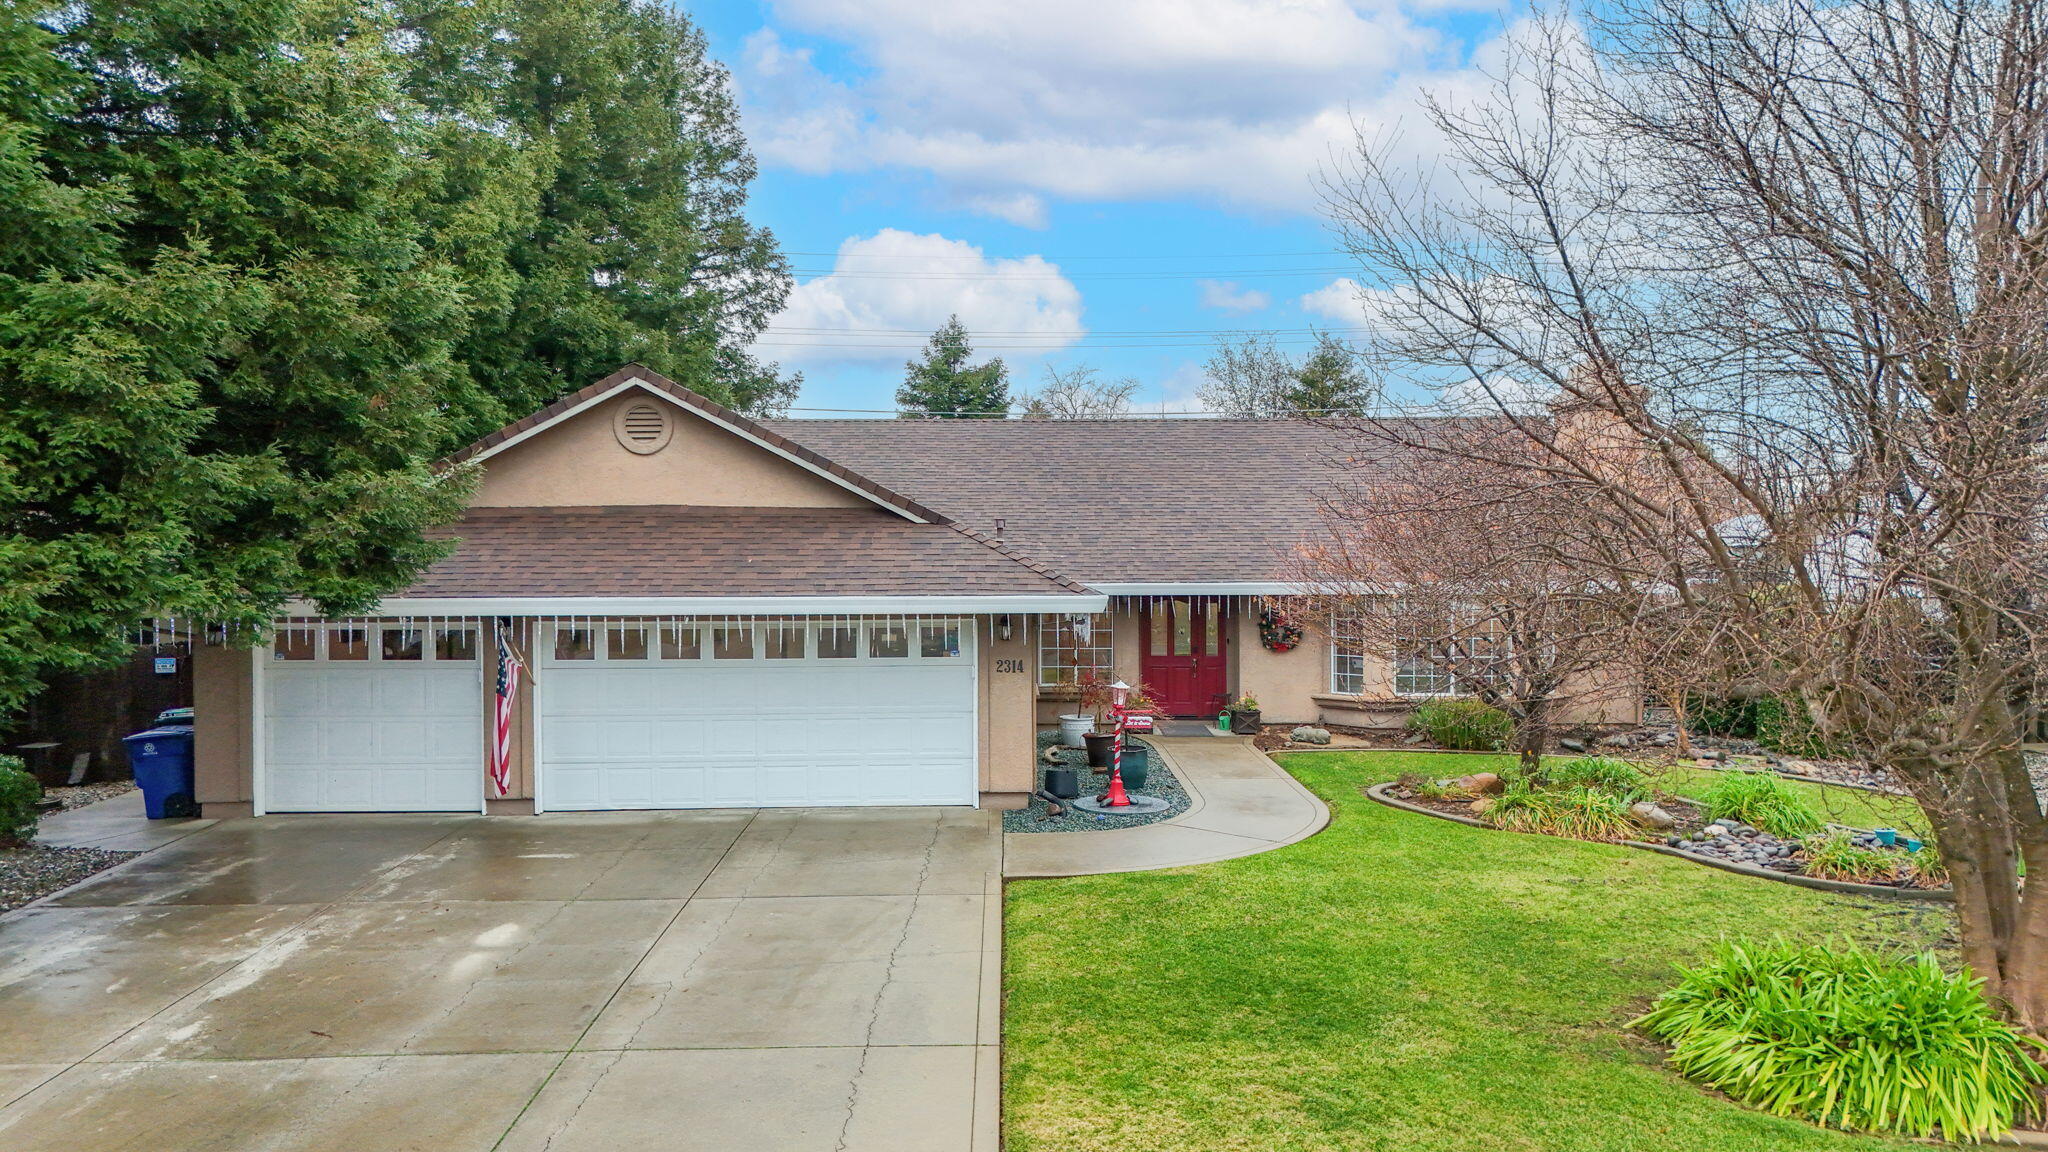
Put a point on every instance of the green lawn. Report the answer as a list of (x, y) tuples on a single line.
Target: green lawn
[(1394, 982)]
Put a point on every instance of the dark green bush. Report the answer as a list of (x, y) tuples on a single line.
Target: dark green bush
[(1467, 725), (1722, 716), (19, 793), (1850, 1038)]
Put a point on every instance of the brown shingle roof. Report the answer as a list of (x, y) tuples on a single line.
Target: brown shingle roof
[(1115, 501), (658, 550)]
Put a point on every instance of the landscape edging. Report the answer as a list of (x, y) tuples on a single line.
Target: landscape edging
[(1840, 887)]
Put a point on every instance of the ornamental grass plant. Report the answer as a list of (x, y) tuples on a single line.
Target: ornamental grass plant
[(1763, 800), (1850, 1038)]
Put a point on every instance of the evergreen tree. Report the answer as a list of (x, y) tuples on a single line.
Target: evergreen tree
[(1327, 381), (944, 384), (627, 234)]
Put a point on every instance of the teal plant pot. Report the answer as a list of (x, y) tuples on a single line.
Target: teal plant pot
[(1137, 766)]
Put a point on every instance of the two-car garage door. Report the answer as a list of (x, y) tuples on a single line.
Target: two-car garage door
[(387, 717), (757, 714)]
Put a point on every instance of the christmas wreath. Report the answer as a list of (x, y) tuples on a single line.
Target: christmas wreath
[(1276, 631)]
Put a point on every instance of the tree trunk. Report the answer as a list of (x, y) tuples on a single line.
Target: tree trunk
[(1681, 724), (1532, 735)]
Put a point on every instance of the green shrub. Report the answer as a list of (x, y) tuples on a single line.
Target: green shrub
[(1763, 800), (1579, 813), (19, 793), (1601, 774), (1845, 1037), (1467, 725), (1722, 716), (1785, 725)]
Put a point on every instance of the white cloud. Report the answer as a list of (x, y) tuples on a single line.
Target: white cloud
[(1227, 296), (1024, 209), (1338, 301), (1239, 100), (897, 285)]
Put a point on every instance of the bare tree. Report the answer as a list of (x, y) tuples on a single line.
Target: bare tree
[(1794, 255), (1077, 394), (1449, 568)]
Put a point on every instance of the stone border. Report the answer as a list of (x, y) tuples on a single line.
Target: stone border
[(1839, 887), (1720, 766)]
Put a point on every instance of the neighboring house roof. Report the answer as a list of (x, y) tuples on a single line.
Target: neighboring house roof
[(1116, 503), (657, 552)]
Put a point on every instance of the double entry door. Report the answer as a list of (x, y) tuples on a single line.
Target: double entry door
[(1182, 655)]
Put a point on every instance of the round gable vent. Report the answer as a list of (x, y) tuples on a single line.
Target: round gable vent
[(644, 426)]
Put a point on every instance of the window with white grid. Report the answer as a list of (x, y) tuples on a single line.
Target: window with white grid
[(1071, 647)]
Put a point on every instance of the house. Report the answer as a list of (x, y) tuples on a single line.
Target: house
[(717, 611)]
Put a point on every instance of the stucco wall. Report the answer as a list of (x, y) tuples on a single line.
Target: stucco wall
[(1285, 683), (1008, 684), (580, 462), (222, 757)]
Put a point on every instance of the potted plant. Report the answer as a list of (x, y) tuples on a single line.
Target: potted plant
[(1137, 760), (1075, 726), (1244, 716)]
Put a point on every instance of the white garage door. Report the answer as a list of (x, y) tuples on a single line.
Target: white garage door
[(374, 718), (741, 714)]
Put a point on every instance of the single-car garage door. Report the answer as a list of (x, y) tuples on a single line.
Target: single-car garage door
[(374, 718), (739, 713)]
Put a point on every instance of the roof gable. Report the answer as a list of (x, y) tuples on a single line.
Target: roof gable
[(800, 466)]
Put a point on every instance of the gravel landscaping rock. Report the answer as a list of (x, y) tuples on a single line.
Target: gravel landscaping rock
[(79, 795), (1160, 783), (36, 871)]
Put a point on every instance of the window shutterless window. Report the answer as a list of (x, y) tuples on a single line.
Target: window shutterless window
[(575, 643), (838, 642), (1070, 648), (295, 644), (625, 642), (348, 643), (888, 641), (402, 644), (454, 643), (682, 642), (732, 642), (783, 641)]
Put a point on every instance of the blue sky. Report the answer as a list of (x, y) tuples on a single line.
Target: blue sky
[(1100, 182)]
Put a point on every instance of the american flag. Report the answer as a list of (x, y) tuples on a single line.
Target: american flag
[(509, 668)]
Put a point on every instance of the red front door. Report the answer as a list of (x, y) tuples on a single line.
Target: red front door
[(1183, 656)]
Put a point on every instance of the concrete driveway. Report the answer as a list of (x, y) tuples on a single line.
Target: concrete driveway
[(734, 980)]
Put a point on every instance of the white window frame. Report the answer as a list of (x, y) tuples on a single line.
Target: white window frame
[(1101, 643), (705, 626), (373, 631)]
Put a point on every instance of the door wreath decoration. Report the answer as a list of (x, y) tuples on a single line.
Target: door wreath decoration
[(1277, 632)]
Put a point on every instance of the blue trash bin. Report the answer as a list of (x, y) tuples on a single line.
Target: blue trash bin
[(161, 760)]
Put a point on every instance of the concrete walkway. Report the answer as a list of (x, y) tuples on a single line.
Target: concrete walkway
[(789, 980), (1243, 804), (119, 825)]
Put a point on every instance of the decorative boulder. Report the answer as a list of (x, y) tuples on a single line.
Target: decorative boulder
[(1479, 784), (1572, 745), (1052, 755), (1650, 816), (1481, 806), (1715, 830), (1415, 739), (1309, 734), (1619, 740)]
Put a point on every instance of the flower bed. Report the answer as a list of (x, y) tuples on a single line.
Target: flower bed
[(1750, 823)]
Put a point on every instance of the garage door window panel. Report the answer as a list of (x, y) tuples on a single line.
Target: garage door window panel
[(348, 643), (732, 642), (575, 644), (455, 644), (403, 644), (682, 642), (625, 642), (784, 641), (888, 642), (838, 642)]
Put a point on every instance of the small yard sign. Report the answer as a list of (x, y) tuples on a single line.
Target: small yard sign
[(166, 665)]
